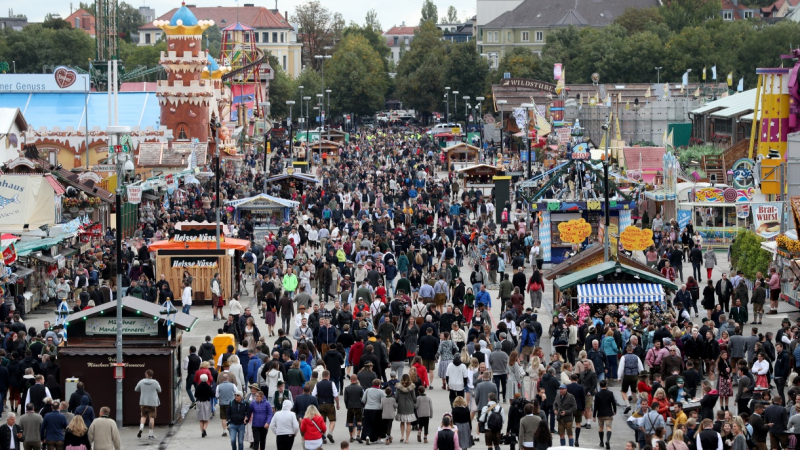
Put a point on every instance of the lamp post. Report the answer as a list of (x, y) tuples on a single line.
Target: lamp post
[(320, 114), (290, 103), (328, 111), (301, 106), (306, 98), (479, 119), (265, 107), (455, 107), (606, 239), (466, 110), (502, 104), (322, 59), (447, 101), (658, 75), (526, 134)]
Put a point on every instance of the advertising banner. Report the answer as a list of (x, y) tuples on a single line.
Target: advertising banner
[(134, 194), (633, 238), (187, 262), (684, 216), (574, 231), (767, 219)]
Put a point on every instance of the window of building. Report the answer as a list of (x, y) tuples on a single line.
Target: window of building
[(257, 37), (77, 22), (539, 36), (158, 36), (493, 60), (284, 63), (274, 36), (247, 37), (147, 38), (508, 37), (266, 38), (396, 40), (747, 14), (723, 126), (183, 132), (727, 15), (405, 40), (526, 36), (282, 34)]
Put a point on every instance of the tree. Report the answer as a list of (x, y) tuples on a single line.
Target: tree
[(748, 256), (55, 22), (689, 13), (636, 20), (358, 78), (36, 46), (371, 21), (419, 77), (466, 71), (429, 12), (520, 62), (318, 28), (281, 89), (133, 56), (452, 15), (128, 20), (212, 41), (373, 37)]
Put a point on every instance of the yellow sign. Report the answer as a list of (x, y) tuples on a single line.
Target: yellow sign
[(456, 130), (574, 231), (633, 238)]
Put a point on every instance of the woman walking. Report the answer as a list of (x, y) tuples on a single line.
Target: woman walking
[(76, 436), (710, 261), (535, 288), (462, 421), (515, 375), (270, 311), (295, 380), (203, 394), (406, 400), (285, 426), (260, 416), (447, 352), (313, 428), (372, 429), (724, 384)]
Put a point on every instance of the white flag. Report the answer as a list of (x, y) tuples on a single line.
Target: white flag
[(714, 72), (740, 88), (685, 80)]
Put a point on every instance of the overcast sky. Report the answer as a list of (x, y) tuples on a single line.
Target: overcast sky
[(389, 14)]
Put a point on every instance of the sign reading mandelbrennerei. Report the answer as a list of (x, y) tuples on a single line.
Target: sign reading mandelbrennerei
[(130, 325), (528, 84)]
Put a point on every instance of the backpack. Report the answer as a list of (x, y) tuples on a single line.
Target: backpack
[(495, 420)]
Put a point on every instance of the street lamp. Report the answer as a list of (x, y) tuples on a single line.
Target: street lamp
[(301, 105), (290, 104), (321, 115), (455, 106), (658, 75), (606, 127), (322, 59), (502, 104), (328, 111), (265, 107), (479, 119), (306, 98), (447, 101), (466, 113)]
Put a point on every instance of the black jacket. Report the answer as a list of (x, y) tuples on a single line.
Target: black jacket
[(237, 412), (75, 399), (6, 436), (605, 405), (428, 346), (207, 351)]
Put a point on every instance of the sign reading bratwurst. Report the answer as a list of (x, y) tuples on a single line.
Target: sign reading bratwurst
[(528, 84), (187, 262)]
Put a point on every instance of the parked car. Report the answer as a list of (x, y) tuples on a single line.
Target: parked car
[(443, 128)]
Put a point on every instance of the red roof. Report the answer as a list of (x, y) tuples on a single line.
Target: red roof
[(59, 190), (401, 31), (645, 159), (86, 21), (223, 16), (728, 5)]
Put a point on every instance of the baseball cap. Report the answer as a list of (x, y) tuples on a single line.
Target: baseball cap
[(563, 386), (680, 380)]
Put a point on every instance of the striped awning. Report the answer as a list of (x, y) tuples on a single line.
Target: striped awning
[(620, 293)]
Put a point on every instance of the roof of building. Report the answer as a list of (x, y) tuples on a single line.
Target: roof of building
[(596, 13), (133, 304), (9, 116), (185, 15), (70, 178), (158, 154), (401, 31), (728, 5), (79, 14), (45, 109), (737, 101), (238, 27), (251, 16), (643, 157)]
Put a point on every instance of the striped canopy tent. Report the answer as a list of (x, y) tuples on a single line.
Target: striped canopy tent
[(620, 293)]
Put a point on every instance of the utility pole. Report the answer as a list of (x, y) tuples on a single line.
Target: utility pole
[(606, 237), (447, 102), (265, 106), (502, 104)]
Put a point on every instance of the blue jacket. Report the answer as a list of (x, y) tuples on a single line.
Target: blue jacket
[(483, 297), (609, 346), (53, 427), (252, 369), (262, 413), (528, 338), (306, 369), (327, 335)]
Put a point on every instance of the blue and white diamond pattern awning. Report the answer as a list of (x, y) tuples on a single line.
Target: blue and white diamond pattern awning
[(620, 293)]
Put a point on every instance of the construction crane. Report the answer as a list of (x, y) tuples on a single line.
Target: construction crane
[(106, 42)]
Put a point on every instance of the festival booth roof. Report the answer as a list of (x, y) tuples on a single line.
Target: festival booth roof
[(227, 244), (591, 273), (324, 143), (299, 176), (589, 257), (136, 305), (462, 147), (620, 293), (477, 168), (262, 201)]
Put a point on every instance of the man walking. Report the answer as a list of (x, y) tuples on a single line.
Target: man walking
[(31, 423), (327, 393), (148, 401), (103, 434), (564, 408), (226, 390), (237, 419)]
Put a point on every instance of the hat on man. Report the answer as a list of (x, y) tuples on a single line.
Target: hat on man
[(563, 386), (680, 380)]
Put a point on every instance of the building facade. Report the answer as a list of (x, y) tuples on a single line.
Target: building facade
[(273, 32), (398, 39), (81, 19)]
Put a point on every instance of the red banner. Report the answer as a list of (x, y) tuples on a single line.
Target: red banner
[(10, 255)]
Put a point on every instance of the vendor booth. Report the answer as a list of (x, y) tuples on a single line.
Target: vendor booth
[(289, 183), (479, 176), (616, 289), (462, 155), (194, 250), (151, 340), (718, 212), (265, 211), (324, 152)]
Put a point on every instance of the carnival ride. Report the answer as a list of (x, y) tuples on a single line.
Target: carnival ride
[(239, 52)]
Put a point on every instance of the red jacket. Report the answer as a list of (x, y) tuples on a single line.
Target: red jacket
[(663, 406), (309, 431), (644, 387), (356, 350), (200, 372), (422, 372)]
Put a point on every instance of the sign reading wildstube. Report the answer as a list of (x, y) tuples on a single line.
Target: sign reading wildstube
[(529, 84), (195, 236), (187, 262)]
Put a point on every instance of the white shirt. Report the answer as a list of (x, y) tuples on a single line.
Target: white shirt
[(11, 444), (335, 390), (235, 307), (298, 319), (186, 296), (28, 395), (719, 441)]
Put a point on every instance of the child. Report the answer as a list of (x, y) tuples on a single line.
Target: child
[(424, 408), (389, 407), (392, 383)]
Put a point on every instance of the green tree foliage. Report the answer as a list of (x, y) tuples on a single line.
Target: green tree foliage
[(452, 15), (520, 62), (420, 77), (696, 152), (358, 77), (133, 56), (374, 38), (636, 20), (281, 89), (128, 18), (748, 256), (212, 41), (319, 28), (36, 46), (430, 13), (55, 22), (689, 13), (466, 69), (371, 21)]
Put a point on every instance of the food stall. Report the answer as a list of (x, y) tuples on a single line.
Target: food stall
[(324, 152), (718, 212), (462, 155), (479, 176), (292, 182), (193, 249), (151, 340)]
